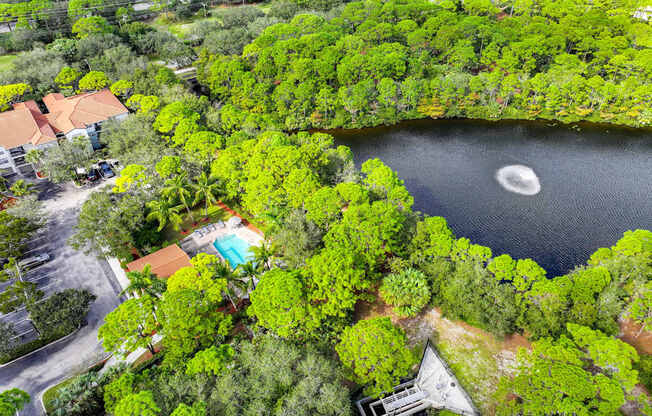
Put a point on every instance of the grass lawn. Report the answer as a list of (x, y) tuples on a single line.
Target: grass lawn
[(51, 393), (180, 28), (215, 214), (5, 62)]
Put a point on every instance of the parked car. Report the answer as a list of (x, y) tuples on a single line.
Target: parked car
[(92, 175), (33, 261), (105, 170)]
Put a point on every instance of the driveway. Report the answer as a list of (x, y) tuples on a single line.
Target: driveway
[(67, 269)]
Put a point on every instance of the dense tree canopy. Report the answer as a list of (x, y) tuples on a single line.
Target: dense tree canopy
[(375, 353), (587, 373), (380, 62)]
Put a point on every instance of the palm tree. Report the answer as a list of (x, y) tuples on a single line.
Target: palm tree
[(22, 188), (263, 253), (144, 282), (248, 272), (163, 211), (206, 189), (178, 187), (233, 281)]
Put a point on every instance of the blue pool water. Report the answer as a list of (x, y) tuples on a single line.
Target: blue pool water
[(234, 249)]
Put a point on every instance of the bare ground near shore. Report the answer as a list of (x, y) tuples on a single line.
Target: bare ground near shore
[(478, 358)]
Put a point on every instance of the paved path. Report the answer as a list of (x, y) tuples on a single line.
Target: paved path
[(37, 372)]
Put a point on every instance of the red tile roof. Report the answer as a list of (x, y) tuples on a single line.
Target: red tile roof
[(164, 263), (69, 113), (26, 124)]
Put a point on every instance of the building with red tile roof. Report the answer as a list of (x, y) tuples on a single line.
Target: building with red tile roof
[(164, 262), (26, 127)]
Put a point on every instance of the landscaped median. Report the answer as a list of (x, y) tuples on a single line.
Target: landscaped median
[(90, 384), (54, 318)]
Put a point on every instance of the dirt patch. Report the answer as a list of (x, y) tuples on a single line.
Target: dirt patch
[(478, 358), (631, 333)]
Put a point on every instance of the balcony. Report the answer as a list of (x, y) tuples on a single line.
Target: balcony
[(20, 160), (16, 152)]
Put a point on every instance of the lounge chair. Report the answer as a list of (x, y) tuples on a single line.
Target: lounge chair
[(199, 232), (220, 224)]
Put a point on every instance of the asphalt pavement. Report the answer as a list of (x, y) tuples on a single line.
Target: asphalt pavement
[(68, 268)]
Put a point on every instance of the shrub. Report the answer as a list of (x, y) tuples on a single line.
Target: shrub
[(408, 291)]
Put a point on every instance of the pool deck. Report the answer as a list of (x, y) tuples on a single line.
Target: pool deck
[(195, 244)]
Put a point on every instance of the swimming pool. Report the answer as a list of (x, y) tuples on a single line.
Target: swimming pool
[(234, 249)]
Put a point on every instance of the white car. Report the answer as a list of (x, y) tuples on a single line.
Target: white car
[(33, 261)]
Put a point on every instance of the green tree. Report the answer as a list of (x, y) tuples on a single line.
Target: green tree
[(107, 222), (206, 189), (640, 309), (374, 231), (15, 233), (168, 166), (18, 294), (144, 104), (130, 326), (263, 254), (587, 372), (385, 184), (7, 338), (12, 93), (132, 176), (144, 283), (164, 212), (137, 404), (61, 313), (81, 396), (59, 162), (197, 409), (211, 360), (119, 388), (408, 291), (324, 206), (337, 281), (67, 78), (375, 353), (179, 188), (190, 320), (94, 81), (279, 303), (11, 401), (122, 87), (304, 382), (87, 26)]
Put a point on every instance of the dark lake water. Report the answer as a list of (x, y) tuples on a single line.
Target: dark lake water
[(596, 183)]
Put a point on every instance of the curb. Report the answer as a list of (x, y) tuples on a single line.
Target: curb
[(40, 395), (43, 347)]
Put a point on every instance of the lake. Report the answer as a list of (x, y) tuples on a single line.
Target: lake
[(582, 190)]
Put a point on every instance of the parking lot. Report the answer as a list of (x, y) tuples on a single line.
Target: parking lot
[(58, 273), (67, 268), (46, 277)]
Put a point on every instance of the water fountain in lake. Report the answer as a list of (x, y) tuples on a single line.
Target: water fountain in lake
[(518, 179)]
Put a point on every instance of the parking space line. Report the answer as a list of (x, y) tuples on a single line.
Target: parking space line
[(39, 277), (37, 248)]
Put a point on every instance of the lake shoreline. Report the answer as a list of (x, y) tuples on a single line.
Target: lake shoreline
[(543, 122), (593, 180)]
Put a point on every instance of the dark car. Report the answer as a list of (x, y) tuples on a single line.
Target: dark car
[(92, 175), (105, 170)]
